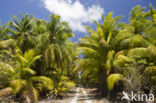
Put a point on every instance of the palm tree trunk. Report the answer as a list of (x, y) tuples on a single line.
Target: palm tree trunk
[(103, 84)]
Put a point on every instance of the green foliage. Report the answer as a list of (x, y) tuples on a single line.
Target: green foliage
[(151, 52), (38, 55), (35, 55), (112, 79), (151, 71), (64, 85), (110, 51)]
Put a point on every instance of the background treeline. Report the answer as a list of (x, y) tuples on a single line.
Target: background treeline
[(118, 56), (38, 58)]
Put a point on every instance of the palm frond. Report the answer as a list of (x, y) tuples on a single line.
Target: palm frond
[(5, 92), (5, 66), (151, 51), (70, 84), (47, 82), (137, 53), (6, 44), (29, 71), (18, 84), (112, 79)]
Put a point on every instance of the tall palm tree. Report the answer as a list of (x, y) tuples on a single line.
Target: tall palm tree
[(57, 50), (21, 31), (53, 44), (97, 51)]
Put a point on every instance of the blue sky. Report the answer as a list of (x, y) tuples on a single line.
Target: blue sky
[(77, 12)]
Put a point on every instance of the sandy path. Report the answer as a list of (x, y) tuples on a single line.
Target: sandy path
[(79, 95), (74, 100)]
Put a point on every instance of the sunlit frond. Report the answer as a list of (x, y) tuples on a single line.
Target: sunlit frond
[(47, 82), (112, 79)]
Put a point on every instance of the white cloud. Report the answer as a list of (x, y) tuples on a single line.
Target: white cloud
[(74, 12)]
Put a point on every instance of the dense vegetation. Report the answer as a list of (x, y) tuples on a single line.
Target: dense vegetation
[(37, 57), (120, 57)]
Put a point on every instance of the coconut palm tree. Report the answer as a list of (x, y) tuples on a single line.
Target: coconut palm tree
[(53, 44), (21, 31), (97, 51), (58, 51), (22, 81)]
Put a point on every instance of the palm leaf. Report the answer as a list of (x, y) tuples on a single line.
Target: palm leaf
[(112, 79), (70, 84), (137, 53), (5, 92), (47, 82), (5, 66), (151, 50), (18, 84), (6, 44), (28, 70)]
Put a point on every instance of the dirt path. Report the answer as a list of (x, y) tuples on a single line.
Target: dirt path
[(79, 95)]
